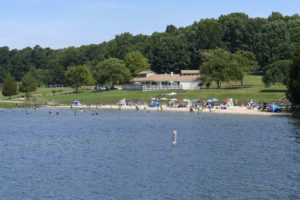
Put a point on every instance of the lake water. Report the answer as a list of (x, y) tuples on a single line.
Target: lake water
[(128, 155)]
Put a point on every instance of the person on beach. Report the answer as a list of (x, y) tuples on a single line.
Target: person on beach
[(161, 109), (209, 107)]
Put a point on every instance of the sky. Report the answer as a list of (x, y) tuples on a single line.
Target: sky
[(63, 23)]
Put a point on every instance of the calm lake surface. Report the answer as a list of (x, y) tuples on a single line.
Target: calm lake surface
[(128, 155)]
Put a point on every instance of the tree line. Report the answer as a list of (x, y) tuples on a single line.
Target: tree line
[(241, 44)]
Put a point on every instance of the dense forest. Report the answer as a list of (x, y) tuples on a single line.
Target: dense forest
[(271, 40)]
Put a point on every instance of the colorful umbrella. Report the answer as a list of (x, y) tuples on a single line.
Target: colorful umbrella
[(173, 99), (180, 100), (211, 101), (225, 101), (195, 100), (186, 100)]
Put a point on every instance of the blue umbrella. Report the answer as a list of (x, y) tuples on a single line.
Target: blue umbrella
[(212, 100), (195, 100)]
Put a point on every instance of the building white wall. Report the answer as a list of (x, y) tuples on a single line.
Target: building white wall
[(190, 85)]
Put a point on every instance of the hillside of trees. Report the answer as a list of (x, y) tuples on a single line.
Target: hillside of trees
[(270, 42)]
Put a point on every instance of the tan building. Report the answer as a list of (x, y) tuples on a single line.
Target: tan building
[(148, 80)]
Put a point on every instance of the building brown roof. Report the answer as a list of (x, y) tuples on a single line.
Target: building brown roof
[(166, 77), (190, 71)]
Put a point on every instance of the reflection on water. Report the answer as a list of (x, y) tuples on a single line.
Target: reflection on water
[(129, 155)]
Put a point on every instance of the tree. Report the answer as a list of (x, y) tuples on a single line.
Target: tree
[(78, 76), (122, 45), (273, 43), (10, 87), (28, 84), (171, 29), (247, 62), (235, 30), (136, 62), (277, 72), (218, 66), (111, 72), (275, 16), (207, 34), (169, 54), (69, 57), (3, 74), (293, 86)]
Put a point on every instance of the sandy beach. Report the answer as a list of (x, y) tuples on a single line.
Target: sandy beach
[(237, 110)]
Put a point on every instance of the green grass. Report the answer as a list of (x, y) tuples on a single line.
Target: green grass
[(254, 89), (103, 97), (7, 105)]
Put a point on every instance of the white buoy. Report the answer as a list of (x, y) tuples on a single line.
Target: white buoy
[(174, 137)]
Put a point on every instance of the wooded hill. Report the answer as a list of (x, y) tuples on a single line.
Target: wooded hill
[(270, 39)]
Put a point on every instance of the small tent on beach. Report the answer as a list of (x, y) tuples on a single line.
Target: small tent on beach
[(76, 103)]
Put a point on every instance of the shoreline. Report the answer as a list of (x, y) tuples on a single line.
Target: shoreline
[(235, 110)]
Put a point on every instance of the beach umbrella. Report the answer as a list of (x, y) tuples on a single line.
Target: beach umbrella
[(195, 100), (226, 101), (186, 100), (76, 103), (215, 100), (180, 100), (173, 99), (164, 99), (210, 101)]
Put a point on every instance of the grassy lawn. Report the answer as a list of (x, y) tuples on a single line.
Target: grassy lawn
[(254, 89), (7, 105), (103, 97)]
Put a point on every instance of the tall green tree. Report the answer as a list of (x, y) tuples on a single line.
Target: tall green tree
[(136, 62), (69, 57), (78, 76), (218, 66), (235, 29), (293, 92), (169, 54), (111, 72), (273, 43), (206, 34), (28, 84), (277, 72), (3, 74), (10, 87)]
